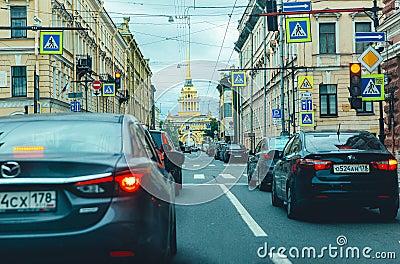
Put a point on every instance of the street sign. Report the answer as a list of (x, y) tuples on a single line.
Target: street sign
[(238, 78), (296, 6), (75, 106), (215, 132), (306, 105), (298, 29), (306, 118), (39, 107), (370, 59), (373, 87), (51, 42), (306, 94), (108, 89), (370, 37), (96, 85), (305, 82), (96, 93), (276, 113), (75, 95)]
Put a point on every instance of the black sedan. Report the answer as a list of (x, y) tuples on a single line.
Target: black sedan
[(234, 152), (338, 168), (83, 188), (262, 161)]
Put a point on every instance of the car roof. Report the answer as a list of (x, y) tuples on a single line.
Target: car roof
[(104, 117)]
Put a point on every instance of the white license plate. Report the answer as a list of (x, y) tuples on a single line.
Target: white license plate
[(351, 168), (31, 201), (238, 156)]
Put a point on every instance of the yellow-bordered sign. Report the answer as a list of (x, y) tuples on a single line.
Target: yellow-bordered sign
[(51, 42), (373, 87), (305, 83), (108, 89), (298, 29), (306, 118), (239, 78)]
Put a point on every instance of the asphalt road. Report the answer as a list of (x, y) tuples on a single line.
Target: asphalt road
[(219, 220)]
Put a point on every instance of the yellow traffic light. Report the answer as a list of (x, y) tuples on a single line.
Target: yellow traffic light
[(355, 68), (117, 75)]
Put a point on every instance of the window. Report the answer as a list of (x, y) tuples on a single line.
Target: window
[(362, 27), (327, 38), (367, 108), (18, 81), (227, 109), (328, 100), (18, 19)]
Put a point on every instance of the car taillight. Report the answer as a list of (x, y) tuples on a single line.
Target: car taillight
[(314, 164), (100, 187), (129, 181), (228, 151), (267, 156), (390, 164)]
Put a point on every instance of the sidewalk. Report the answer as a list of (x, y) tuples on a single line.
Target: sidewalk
[(398, 166)]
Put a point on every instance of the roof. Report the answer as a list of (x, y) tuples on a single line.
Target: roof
[(117, 118)]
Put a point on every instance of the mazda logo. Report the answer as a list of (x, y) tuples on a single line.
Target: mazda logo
[(10, 169)]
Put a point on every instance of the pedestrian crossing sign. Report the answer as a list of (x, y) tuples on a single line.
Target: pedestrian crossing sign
[(51, 42), (298, 29), (306, 118), (109, 89), (238, 78), (305, 82), (373, 87)]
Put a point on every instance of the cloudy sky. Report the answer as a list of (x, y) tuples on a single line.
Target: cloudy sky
[(161, 28)]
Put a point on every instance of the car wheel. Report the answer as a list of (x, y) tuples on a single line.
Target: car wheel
[(291, 206), (274, 198), (389, 212)]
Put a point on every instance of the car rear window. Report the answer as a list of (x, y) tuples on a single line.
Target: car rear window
[(278, 143), (332, 142), (234, 146), (60, 136)]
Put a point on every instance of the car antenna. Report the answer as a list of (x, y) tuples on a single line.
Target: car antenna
[(338, 132)]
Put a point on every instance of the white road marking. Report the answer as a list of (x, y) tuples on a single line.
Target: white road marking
[(251, 223), (196, 165), (244, 174), (212, 165), (215, 184), (198, 176), (227, 176), (278, 260)]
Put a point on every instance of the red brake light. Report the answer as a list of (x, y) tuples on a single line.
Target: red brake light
[(129, 181), (267, 156), (95, 181), (390, 164), (314, 164)]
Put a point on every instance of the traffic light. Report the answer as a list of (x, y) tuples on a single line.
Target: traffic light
[(117, 80), (355, 102), (355, 79)]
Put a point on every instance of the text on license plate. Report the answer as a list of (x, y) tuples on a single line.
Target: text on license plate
[(351, 168), (30, 201)]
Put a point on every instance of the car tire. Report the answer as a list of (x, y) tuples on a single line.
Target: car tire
[(291, 205), (389, 212), (274, 198), (264, 187)]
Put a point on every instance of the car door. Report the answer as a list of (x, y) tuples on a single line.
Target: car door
[(288, 162), (279, 169)]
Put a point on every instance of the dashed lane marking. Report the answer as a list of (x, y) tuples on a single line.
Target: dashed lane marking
[(198, 176)]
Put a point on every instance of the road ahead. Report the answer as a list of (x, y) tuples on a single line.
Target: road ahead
[(220, 221)]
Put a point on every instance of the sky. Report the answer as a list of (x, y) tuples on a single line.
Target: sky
[(161, 29)]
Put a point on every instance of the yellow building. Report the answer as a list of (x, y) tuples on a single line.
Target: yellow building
[(189, 121), (85, 45)]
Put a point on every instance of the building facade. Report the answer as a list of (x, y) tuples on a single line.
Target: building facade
[(92, 49), (391, 66), (325, 58)]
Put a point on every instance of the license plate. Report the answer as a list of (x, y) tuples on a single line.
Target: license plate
[(351, 168), (30, 201), (238, 156)]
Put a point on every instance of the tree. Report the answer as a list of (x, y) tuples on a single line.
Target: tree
[(214, 127)]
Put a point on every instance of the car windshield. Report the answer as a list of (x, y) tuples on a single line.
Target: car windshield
[(333, 142), (60, 136)]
